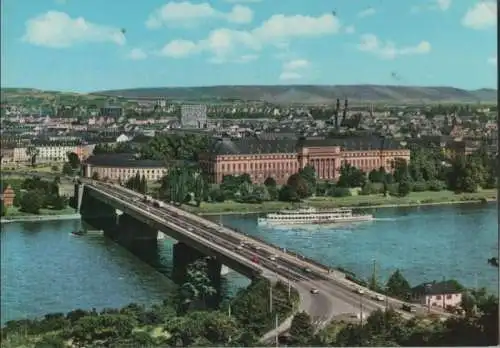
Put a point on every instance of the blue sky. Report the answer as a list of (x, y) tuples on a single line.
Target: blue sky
[(78, 45)]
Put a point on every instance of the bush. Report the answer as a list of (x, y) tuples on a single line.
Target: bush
[(436, 185), (420, 186), (341, 192), (393, 189)]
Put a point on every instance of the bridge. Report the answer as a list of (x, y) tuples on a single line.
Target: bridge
[(197, 237)]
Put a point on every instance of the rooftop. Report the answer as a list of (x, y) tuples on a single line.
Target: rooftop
[(123, 161)]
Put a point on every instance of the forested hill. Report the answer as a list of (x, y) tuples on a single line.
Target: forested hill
[(310, 94)]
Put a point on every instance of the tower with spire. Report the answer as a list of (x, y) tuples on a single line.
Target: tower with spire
[(344, 112), (337, 110)]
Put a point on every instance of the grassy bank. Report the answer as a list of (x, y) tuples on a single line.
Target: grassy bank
[(14, 212), (413, 199)]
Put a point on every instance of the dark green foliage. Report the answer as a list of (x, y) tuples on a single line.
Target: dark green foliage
[(301, 330), (398, 286), (351, 176)]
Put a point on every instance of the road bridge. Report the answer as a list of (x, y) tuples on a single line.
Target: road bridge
[(197, 237)]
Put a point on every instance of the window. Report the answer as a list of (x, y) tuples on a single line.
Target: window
[(438, 297), (449, 296)]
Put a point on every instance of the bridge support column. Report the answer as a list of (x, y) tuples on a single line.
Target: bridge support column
[(96, 213), (183, 256), (130, 229)]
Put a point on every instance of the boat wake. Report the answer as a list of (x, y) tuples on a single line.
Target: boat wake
[(384, 219)]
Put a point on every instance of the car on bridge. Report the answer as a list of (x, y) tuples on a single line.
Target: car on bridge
[(409, 308), (360, 291), (378, 297)]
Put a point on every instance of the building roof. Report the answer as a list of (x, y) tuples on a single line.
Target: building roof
[(123, 160), (252, 145), (437, 288), (354, 143), (255, 145)]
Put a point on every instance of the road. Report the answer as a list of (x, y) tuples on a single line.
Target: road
[(335, 296)]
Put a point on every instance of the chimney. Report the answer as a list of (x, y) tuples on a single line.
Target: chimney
[(337, 114)]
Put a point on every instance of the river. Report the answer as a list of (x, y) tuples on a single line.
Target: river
[(45, 269)]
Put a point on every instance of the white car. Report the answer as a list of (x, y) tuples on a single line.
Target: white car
[(360, 291), (272, 257), (314, 291), (378, 297)]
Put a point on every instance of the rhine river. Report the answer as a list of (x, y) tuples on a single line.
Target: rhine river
[(45, 269)]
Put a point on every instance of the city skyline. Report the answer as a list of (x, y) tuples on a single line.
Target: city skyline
[(68, 45)]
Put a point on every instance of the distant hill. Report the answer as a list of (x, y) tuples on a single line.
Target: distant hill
[(310, 94)]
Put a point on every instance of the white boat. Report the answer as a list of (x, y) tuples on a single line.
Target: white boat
[(312, 216)]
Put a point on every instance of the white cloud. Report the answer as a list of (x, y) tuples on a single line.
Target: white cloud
[(366, 13), (388, 50), (350, 29), (444, 5), (294, 69), (243, 1), (482, 15), (492, 61), (432, 5), (278, 31), (137, 54), (296, 64), (290, 75), (57, 30), (179, 49), (188, 14)]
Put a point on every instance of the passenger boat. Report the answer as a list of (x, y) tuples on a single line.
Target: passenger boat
[(312, 216)]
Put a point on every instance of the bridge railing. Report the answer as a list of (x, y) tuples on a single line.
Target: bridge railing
[(288, 251)]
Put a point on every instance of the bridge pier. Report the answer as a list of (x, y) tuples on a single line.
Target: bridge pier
[(183, 256), (96, 213), (130, 229)]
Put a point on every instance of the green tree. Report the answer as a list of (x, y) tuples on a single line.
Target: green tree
[(404, 187), (288, 193), (32, 201), (73, 160), (299, 185), (270, 182), (67, 169), (301, 330), (32, 152), (3, 208), (398, 286), (143, 185), (351, 176)]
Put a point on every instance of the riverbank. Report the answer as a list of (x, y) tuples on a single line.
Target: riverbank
[(14, 215), (371, 201)]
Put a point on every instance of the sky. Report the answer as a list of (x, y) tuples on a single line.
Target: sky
[(92, 45)]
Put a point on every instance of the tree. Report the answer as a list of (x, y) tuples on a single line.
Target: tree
[(351, 176), (32, 152), (401, 170), (73, 160), (288, 193), (404, 187), (270, 182), (32, 201), (143, 185), (3, 208), (301, 329), (398, 286), (300, 185), (67, 169)]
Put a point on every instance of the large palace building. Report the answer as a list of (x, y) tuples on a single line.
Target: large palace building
[(280, 158)]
